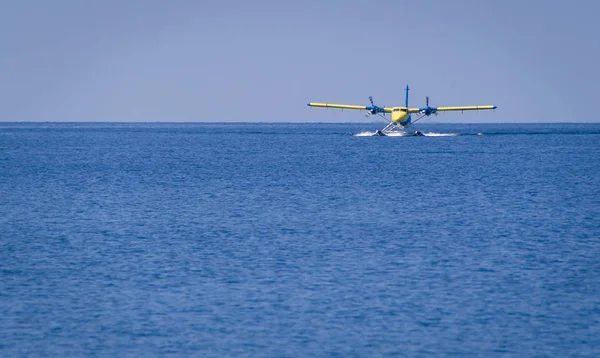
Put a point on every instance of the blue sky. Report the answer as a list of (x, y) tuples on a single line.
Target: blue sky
[(181, 60)]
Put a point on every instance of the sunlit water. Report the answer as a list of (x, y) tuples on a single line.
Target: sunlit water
[(299, 240)]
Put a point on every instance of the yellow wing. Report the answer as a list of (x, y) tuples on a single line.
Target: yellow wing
[(465, 108), (454, 108), (428, 110), (346, 106)]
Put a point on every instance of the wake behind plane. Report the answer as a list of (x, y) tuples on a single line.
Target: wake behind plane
[(401, 117)]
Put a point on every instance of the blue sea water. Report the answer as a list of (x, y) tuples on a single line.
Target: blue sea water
[(298, 240)]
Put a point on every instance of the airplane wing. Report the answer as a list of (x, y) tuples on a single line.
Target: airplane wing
[(346, 106), (409, 110), (465, 108), (431, 110)]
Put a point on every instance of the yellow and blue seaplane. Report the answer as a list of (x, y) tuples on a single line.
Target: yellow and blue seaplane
[(401, 118)]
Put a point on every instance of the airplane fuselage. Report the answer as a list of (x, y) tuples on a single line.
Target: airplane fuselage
[(401, 116)]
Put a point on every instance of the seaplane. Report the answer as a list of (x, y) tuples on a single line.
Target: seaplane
[(401, 117)]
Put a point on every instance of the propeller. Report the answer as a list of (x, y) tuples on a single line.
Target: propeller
[(374, 109), (428, 110)]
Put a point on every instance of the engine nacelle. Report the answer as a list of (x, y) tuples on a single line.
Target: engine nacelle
[(400, 115)]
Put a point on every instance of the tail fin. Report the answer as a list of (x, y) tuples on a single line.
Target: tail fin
[(406, 102)]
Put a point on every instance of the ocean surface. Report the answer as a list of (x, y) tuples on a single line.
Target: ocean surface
[(299, 240)]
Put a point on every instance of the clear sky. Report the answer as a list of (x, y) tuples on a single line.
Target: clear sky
[(199, 60)]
